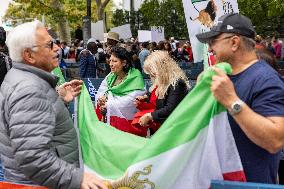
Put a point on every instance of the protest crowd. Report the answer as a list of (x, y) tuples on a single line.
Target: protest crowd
[(139, 85)]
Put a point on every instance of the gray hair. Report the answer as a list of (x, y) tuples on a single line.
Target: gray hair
[(248, 43), (22, 37)]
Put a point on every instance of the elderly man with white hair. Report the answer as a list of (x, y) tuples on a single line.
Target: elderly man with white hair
[(38, 142)]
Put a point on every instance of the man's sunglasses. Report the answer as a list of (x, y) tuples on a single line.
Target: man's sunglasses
[(50, 44), (212, 41)]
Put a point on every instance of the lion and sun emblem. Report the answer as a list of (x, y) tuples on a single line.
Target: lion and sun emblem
[(133, 181)]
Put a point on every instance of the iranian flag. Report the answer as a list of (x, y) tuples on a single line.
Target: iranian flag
[(193, 146), (120, 99)]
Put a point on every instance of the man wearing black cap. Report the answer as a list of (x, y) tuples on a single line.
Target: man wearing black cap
[(253, 96)]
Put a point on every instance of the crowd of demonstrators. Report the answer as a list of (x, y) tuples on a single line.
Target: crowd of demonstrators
[(38, 143), (253, 95), (274, 45), (170, 86), (138, 53), (118, 91)]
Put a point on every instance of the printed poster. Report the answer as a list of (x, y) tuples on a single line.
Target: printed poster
[(200, 16)]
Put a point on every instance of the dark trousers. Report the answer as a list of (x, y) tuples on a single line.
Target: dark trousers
[(281, 172)]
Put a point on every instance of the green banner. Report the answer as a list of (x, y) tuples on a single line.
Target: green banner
[(58, 73)]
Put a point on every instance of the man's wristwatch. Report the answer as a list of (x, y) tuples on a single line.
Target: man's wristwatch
[(236, 107)]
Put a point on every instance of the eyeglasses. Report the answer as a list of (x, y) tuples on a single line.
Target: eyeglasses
[(212, 41), (50, 45)]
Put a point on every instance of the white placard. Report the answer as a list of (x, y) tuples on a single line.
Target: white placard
[(158, 33), (199, 20), (136, 4), (97, 30), (144, 35), (124, 31)]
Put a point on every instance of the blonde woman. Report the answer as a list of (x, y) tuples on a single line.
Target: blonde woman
[(170, 83)]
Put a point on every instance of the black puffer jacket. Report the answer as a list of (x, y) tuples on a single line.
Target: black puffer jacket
[(3, 67), (38, 142)]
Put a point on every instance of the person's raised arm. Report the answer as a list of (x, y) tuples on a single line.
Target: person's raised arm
[(266, 132)]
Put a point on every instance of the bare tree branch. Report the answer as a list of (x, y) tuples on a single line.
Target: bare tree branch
[(104, 4)]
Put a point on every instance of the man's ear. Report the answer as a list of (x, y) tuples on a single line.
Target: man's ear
[(236, 43), (28, 56)]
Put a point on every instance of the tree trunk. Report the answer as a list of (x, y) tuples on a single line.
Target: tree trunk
[(101, 11), (63, 25)]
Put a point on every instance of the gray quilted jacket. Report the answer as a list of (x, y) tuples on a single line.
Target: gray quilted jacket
[(38, 142)]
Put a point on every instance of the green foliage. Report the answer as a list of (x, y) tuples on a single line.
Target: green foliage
[(120, 17), (72, 11), (266, 15), (168, 13)]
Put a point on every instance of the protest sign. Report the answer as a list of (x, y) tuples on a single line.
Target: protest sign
[(200, 16), (124, 31), (97, 30), (158, 33), (144, 35)]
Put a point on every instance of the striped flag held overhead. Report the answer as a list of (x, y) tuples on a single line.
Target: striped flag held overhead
[(193, 146)]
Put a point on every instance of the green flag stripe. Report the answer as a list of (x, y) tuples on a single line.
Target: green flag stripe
[(134, 81), (58, 73), (99, 139)]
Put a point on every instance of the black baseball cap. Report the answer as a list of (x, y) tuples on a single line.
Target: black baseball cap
[(229, 23)]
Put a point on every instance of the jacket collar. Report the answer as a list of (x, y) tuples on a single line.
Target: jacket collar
[(50, 78)]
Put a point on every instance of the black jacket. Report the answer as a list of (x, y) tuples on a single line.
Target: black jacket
[(3, 67), (3, 70), (165, 106)]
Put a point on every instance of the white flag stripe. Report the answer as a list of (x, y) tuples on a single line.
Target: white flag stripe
[(123, 106), (194, 164)]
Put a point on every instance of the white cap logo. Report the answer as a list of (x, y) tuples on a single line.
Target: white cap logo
[(229, 27)]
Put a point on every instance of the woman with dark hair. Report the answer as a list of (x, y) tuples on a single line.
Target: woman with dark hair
[(161, 46), (118, 90), (168, 48), (153, 46)]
